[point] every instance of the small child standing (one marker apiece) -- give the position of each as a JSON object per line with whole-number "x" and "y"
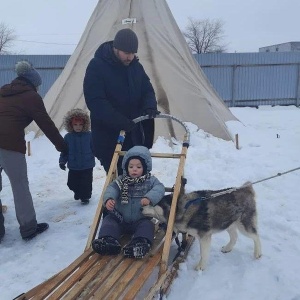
{"x": 80, "y": 158}
{"x": 123, "y": 199}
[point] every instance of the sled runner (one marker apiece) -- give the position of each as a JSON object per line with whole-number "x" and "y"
{"x": 92, "y": 276}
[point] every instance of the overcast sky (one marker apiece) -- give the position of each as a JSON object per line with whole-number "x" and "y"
{"x": 58, "y": 24}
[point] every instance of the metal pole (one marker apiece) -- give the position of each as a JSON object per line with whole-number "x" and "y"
{"x": 233, "y": 86}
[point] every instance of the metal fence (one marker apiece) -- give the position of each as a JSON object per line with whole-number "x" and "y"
{"x": 241, "y": 79}
{"x": 49, "y": 67}
{"x": 253, "y": 79}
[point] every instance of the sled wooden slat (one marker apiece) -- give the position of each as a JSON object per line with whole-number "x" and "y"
{"x": 100, "y": 277}
{"x": 103, "y": 275}
{"x": 125, "y": 281}
{"x": 42, "y": 290}
{"x": 147, "y": 271}
{"x": 160, "y": 155}
{"x": 114, "y": 278}
{"x": 133, "y": 269}
{"x": 73, "y": 279}
{"x": 81, "y": 285}
{"x": 178, "y": 182}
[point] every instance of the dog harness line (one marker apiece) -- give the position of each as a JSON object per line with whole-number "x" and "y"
{"x": 194, "y": 201}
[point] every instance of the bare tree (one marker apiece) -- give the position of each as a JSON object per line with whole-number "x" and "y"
{"x": 205, "y": 36}
{"x": 7, "y": 36}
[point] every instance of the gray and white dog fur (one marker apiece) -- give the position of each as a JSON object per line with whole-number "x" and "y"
{"x": 234, "y": 209}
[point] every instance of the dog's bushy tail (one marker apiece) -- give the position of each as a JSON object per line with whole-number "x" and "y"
{"x": 248, "y": 186}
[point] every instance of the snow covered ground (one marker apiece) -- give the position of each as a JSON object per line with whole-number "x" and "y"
{"x": 269, "y": 139}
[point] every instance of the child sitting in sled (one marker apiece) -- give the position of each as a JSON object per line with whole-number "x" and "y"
{"x": 124, "y": 198}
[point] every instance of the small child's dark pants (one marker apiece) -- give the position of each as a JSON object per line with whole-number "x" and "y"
{"x": 142, "y": 228}
{"x": 81, "y": 183}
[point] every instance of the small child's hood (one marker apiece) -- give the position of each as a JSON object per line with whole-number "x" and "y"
{"x": 78, "y": 113}
{"x": 140, "y": 151}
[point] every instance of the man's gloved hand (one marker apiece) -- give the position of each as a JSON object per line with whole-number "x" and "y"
{"x": 129, "y": 126}
{"x": 62, "y": 166}
{"x": 151, "y": 112}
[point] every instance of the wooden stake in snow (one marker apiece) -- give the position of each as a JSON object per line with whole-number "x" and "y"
{"x": 28, "y": 148}
{"x": 237, "y": 141}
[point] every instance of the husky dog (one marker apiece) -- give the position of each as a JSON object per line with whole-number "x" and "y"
{"x": 203, "y": 213}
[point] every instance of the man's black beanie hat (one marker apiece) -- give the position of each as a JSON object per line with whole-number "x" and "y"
{"x": 126, "y": 40}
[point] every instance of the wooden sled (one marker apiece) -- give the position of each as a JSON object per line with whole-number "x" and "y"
{"x": 92, "y": 276}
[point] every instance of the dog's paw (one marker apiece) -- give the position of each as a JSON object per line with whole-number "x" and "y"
{"x": 226, "y": 249}
{"x": 200, "y": 267}
{"x": 257, "y": 255}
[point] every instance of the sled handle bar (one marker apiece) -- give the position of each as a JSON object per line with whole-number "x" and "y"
{"x": 186, "y": 141}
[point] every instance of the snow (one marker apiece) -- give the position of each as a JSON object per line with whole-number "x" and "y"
{"x": 269, "y": 140}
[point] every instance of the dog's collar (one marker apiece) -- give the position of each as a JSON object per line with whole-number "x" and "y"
{"x": 194, "y": 201}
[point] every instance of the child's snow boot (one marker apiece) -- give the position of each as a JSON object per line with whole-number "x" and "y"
{"x": 85, "y": 201}
{"x": 137, "y": 248}
{"x": 106, "y": 245}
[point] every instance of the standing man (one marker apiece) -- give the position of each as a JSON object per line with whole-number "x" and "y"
{"x": 20, "y": 104}
{"x": 118, "y": 90}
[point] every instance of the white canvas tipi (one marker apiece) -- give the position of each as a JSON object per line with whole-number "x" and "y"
{"x": 181, "y": 88}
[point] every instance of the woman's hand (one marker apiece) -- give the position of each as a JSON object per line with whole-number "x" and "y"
{"x": 145, "y": 201}
{"x": 110, "y": 204}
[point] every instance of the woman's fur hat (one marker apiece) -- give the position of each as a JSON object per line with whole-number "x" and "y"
{"x": 78, "y": 114}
